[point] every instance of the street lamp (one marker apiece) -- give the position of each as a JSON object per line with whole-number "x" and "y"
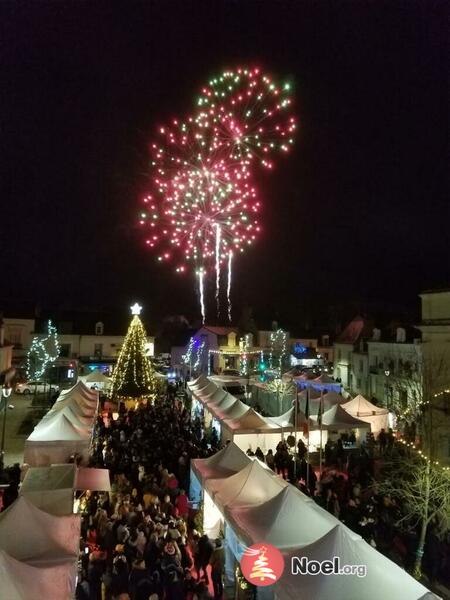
{"x": 6, "y": 393}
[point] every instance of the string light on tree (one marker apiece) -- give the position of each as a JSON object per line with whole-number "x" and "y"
{"x": 42, "y": 353}
{"x": 133, "y": 376}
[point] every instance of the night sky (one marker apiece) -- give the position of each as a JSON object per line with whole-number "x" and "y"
{"x": 358, "y": 211}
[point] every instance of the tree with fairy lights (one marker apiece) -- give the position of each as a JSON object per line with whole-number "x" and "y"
{"x": 421, "y": 487}
{"x": 133, "y": 375}
{"x": 42, "y": 353}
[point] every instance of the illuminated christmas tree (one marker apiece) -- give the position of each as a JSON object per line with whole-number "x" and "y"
{"x": 133, "y": 375}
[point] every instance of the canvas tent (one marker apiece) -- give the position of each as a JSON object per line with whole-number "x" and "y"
{"x": 96, "y": 378}
{"x": 289, "y": 519}
{"x": 224, "y": 463}
{"x": 55, "y": 440}
{"x": 362, "y": 409}
{"x": 36, "y": 537}
{"x": 252, "y": 485}
{"x": 21, "y": 581}
{"x": 79, "y": 389}
{"x": 336, "y": 418}
{"x": 53, "y": 488}
{"x": 383, "y": 579}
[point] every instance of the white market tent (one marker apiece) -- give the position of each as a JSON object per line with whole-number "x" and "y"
{"x": 336, "y": 418}
{"x": 97, "y": 378}
{"x": 289, "y": 519}
{"x": 79, "y": 389}
{"x": 224, "y": 463}
{"x": 36, "y": 537}
{"x": 53, "y": 488}
{"x": 55, "y": 440}
{"x": 289, "y": 425}
{"x": 214, "y": 398}
{"x": 235, "y": 411}
{"x": 252, "y": 485}
{"x": 79, "y": 404}
{"x": 252, "y": 430}
{"x": 362, "y": 409}
{"x": 200, "y": 382}
{"x": 72, "y": 413}
{"x": 254, "y": 505}
{"x": 383, "y": 579}
{"x": 21, "y": 581}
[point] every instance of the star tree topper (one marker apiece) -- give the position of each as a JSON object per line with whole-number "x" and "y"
{"x": 136, "y": 309}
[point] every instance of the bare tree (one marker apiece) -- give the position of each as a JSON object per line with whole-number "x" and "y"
{"x": 282, "y": 388}
{"x": 422, "y": 489}
{"x": 418, "y": 384}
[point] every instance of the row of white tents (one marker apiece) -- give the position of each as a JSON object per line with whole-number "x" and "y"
{"x": 40, "y": 531}
{"x": 236, "y": 421}
{"x": 65, "y": 430}
{"x": 250, "y": 504}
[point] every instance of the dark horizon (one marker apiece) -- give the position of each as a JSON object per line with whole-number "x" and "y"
{"x": 358, "y": 213}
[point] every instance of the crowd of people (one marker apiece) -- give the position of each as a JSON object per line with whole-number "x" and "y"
{"x": 139, "y": 541}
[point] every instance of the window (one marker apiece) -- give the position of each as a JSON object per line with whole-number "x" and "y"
{"x": 98, "y": 350}
{"x": 99, "y": 328}
{"x": 15, "y": 336}
{"x": 361, "y": 367}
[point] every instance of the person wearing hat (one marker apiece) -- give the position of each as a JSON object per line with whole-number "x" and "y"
{"x": 217, "y": 562}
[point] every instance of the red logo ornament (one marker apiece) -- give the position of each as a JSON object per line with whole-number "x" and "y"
{"x": 262, "y": 564}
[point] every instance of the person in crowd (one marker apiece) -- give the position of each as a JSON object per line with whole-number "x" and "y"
{"x": 217, "y": 562}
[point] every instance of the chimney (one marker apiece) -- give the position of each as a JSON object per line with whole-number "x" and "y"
{"x": 274, "y": 325}
{"x": 376, "y": 335}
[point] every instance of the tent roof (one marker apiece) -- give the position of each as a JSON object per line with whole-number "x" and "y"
{"x": 215, "y": 397}
{"x": 96, "y": 376}
{"x": 226, "y": 462}
{"x": 209, "y": 388}
{"x": 66, "y": 476}
{"x": 251, "y": 421}
{"x": 384, "y": 579}
{"x": 58, "y": 428}
{"x": 336, "y": 417}
{"x": 287, "y": 420}
{"x": 72, "y": 412}
{"x": 252, "y": 485}
{"x": 224, "y": 403}
{"x": 198, "y": 383}
{"x": 313, "y": 393}
{"x": 30, "y": 534}
{"x": 333, "y": 397}
{"x": 21, "y": 581}
{"x": 80, "y": 388}
{"x": 289, "y": 519}
{"x": 360, "y": 407}
{"x": 54, "y": 477}
{"x": 234, "y": 411}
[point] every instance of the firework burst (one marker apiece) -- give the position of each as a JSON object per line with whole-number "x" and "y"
{"x": 204, "y": 206}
